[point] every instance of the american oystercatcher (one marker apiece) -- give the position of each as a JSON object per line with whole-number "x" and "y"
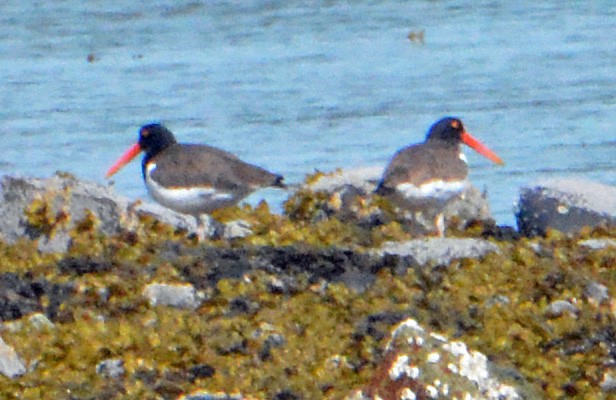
{"x": 193, "y": 179}
{"x": 427, "y": 175}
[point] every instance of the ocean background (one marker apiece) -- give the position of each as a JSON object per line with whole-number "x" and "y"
{"x": 296, "y": 86}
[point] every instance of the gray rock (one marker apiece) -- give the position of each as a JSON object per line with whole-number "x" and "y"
{"x": 163, "y": 214}
{"x": 438, "y": 251}
{"x": 559, "y": 307}
{"x": 180, "y": 221}
{"x": 429, "y": 365}
{"x": 565, "y": 204}
{"x": 363, "y": 180}
{"x": 348, "y": 185}
{"x": 172, "y": 295}
{"x": 498, "y": 299}
{"x": 211, "y": 396}
{"x": 111, "y": 368}
{"x": 540, "y": 249}
{"x": 472, "y": 205}
{"x": 58, "y": 243}
{"x": 11, "y": 365}
{"x": 597, "y": 244}
{"x": 40, "y": 321}
{"x": 596, "y": 293}
{"x": 609, "y": 383}
{"x": 65, "y": 193}
{"x": 237, "y": 229}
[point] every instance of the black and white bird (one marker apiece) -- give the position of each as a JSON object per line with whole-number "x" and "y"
{"x": 193, "y": 179}
{"x": 427, "y": 175}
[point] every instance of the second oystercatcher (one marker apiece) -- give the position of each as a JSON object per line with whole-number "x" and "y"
{"x": 427, "y": 175}
{"x": 193, "y": 179}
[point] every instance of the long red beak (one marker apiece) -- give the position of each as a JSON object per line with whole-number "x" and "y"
{"x": 125, "y": 159}
{"x": 480, "y": 148}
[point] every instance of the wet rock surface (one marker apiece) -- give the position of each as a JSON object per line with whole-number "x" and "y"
{"x": 354, "y": 269}
{"x": 357, "y": 270}
{"x": 21, "y": 296}
{"x": 565, "y": 204}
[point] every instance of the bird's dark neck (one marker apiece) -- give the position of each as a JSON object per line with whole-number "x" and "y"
{"x": 444, "y": 143}
{"x": 153, "y": 152}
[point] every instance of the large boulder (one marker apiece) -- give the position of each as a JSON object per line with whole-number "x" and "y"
{"x": 565, "y": 204}
{"x": 60, "y": 194}
{"x": 419, "y": 364}
{"x": 438, "y": 251}
{"x": 59, "y": 202}
{"x": 349, "y": 195}
{"x": 11, "y": 364}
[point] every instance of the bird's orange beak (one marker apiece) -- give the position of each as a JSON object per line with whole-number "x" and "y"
{"x": 480, "y": 148}
{"x": 125, "y": 159}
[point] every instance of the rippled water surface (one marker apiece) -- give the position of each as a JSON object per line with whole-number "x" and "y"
{"x": 297, "y": 86}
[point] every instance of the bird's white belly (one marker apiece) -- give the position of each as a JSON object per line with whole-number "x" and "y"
{"x": 437, "y": 190}
{"x": 193, "y": 201}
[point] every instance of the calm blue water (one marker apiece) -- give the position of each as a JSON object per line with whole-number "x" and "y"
{"x": 296, "y": 87}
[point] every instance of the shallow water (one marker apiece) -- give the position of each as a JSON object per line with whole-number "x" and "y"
{"x": 295, "y": 87}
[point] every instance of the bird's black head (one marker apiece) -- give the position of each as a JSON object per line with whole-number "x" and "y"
{"x": 448, "y": 129}
{"x": 154, "y": 138}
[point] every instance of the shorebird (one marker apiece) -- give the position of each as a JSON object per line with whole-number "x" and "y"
{"x": 426, "y": 176}
{"x": 193, "y": 179}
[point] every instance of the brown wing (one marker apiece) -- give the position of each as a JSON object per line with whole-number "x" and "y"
{"x": 422, "y": 163}
{"x": 209, "y": 166}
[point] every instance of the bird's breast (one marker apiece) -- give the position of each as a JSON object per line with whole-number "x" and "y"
{"x": 437, "y": 189}
{"x": 187, "y": 199}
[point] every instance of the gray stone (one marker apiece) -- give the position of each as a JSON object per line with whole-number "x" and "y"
{"x": 430, "y": 365}
{"x": 111, "y": 368}
{"x": 11, "y": 365}
{"x": 540, "y": 249}
{"x": 40, "y": 321}
{"x": 565, "y": 204}
{"x": 57, "y": 243}
{"x": 597, "y": 244}
{"x": 163, "y": 214}
{"x": 349, "y": 185}
{"x": 498, "y": 299}
{"x": 204, "y": 395}
{"x": 559, "y": 307}
{"x": 364, "y": 180}
{"x": 237, "y": 229}
{"x": 438, "y": 251}
{"x": 608, "y": 384}
{"x": 172, "y": 295}
{"x": 180, "y": 221}
{"x": 596, "y": 293}
{"x": 65, "y": 193}
{"x": 471, "y": 205}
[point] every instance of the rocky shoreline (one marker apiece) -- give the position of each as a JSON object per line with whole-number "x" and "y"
{"x": 337, "y": 298}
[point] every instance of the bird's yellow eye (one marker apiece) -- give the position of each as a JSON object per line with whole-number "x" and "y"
{"x": 455, "y": 124}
